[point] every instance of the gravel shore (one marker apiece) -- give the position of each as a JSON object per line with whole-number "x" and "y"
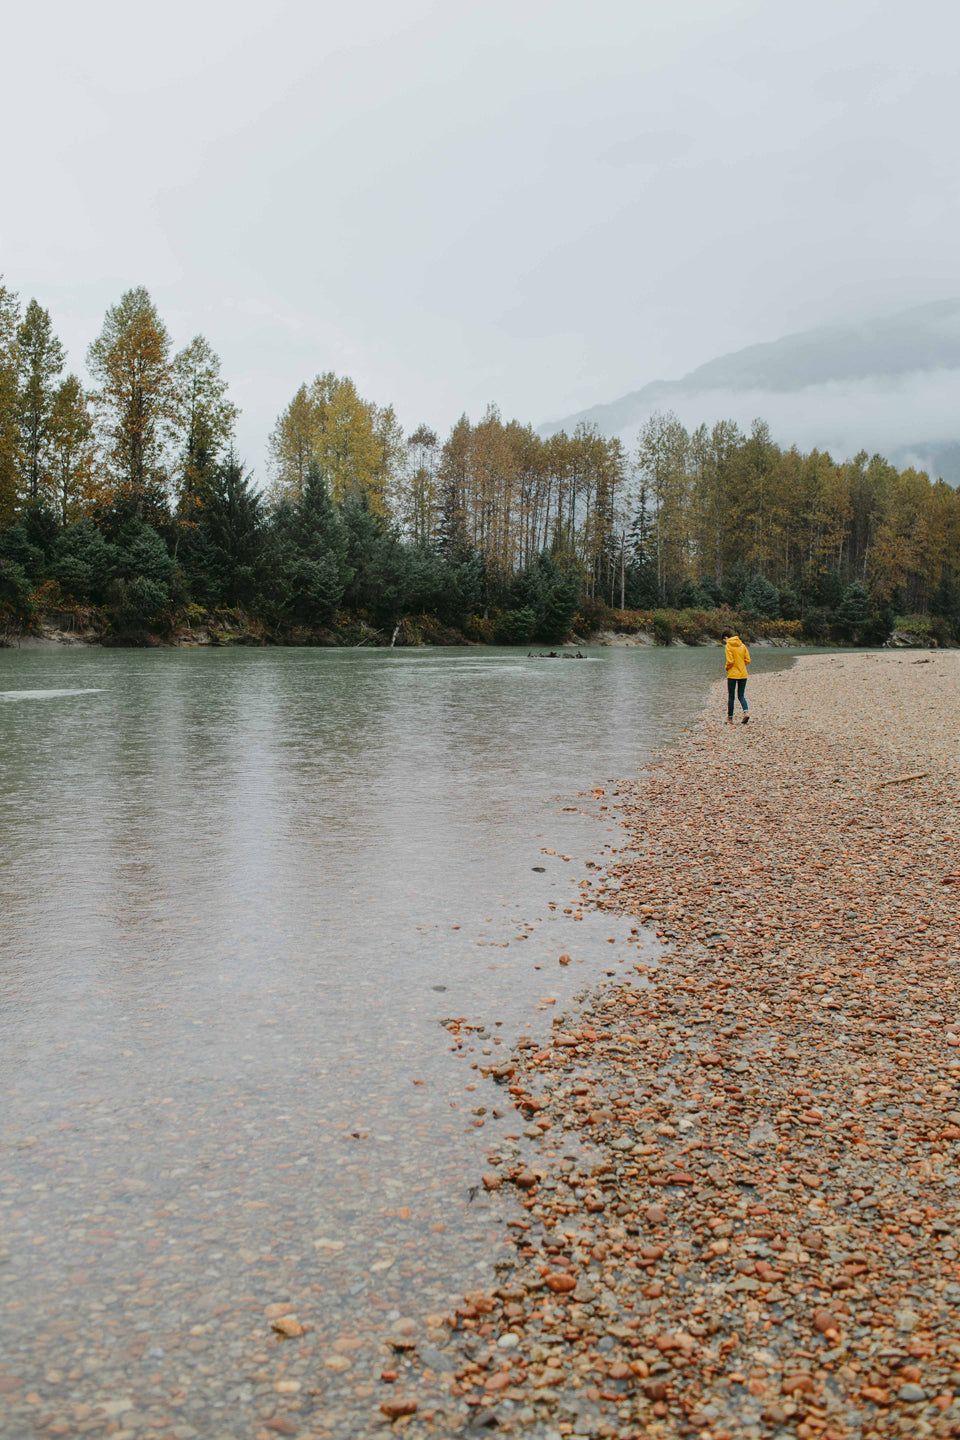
{"x": 729, "y": 1176}
{"x": 741, "y": 1216}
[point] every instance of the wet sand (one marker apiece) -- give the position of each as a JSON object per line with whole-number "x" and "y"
{"x": 762, "y": 1240}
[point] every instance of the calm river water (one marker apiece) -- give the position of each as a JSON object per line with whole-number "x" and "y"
{"x": 239, "y": 892}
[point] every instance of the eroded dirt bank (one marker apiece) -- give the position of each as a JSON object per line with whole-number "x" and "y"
{"x": 759, "y": 1236}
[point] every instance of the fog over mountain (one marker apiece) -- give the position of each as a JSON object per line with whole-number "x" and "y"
{"x": 889, "y": 385}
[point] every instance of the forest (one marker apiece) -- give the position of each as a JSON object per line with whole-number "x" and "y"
{"x": 125, "y": 507}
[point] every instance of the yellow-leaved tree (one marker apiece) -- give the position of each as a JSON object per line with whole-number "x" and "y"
{"x": 72, "y": 483}
{"x": 357, "y": 444}
{"x": 41, "y": 358}
{"x": 10, "y": 446}
{"x": 136, "y": 399}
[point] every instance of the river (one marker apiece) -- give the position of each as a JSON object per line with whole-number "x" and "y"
{"x": 243, "y": 893}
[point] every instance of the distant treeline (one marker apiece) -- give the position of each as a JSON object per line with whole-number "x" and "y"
{"x": 127, "y": 495}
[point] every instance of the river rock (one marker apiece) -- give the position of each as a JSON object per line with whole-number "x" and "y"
{"x": 395, "y": 1408}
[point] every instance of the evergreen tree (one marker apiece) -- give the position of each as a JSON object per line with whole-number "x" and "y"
{"x": 425, "y": 581}
{"x": 711, "y": 592}
{"x": 16, "y": 593}
{"x": 945, "y": 599}
{"x": 310, "y": 547}
{"x": 830, "y": 589}
{"x": 453, "y": 479}
{"x": 761, "y": 597}
{"x": 816, "y": 624}
{"x": 853, "y": 611}
{"x": 380, "y": 584}
{"x": 205, "y": 422}
{"x": 225, "y": 551}
{"x": 517, "y": 627}
{"x": 463, "y": 587}
{"x": 30, "y": 541}
{"x": 561, "y": 605}
{"x": 550, "y": 593}
{"x": 689, "y": 596}
{"x": 789, "y": 603}
{"x": 641, "y": 586}
{"x": 83, "y": 562}
{"x": 117, "y": 508}
{"x": 145, "y": 578}
{"x": 735, "y": 582}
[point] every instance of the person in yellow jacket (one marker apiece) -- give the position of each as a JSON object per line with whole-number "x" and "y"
{"x": 737, "y": 659}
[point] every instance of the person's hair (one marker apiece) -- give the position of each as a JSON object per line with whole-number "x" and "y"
{"x": 726, "y": 634}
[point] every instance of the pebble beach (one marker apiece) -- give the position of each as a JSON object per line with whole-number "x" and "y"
{"x": 741, "y": 1212}
{"x": 725, "y": 1190}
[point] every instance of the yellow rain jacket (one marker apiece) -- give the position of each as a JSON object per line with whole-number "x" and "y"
{"x": 737, "y": 658}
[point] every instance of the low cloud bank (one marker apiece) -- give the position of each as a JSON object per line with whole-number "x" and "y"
{"x": 912, "y": 418}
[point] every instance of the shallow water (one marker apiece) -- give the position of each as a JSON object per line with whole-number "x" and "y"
{"x": 239, "y": 892}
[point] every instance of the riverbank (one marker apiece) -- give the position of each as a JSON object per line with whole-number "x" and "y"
{"x": 741, "y": 1212}
{"x": 220, "y": 629}
{"x": 224, "y": 629}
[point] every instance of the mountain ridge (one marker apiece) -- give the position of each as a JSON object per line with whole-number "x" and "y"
{"x": 896, "y": 377}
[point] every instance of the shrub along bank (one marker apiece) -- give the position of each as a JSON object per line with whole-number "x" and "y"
{"x": 312, "y": 572}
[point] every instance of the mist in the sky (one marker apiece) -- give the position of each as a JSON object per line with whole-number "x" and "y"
{"x": 544, "y": 205}
{"x": 911, "y": 420}
{"x": 888, "y": 386}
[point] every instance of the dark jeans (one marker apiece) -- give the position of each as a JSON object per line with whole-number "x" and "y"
{"x": 736, "y": 688}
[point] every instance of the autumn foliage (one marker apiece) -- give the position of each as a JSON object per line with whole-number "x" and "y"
{"x": 129, "y": 496}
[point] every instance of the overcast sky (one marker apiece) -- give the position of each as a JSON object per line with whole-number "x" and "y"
{"x": 543, "y": 205}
